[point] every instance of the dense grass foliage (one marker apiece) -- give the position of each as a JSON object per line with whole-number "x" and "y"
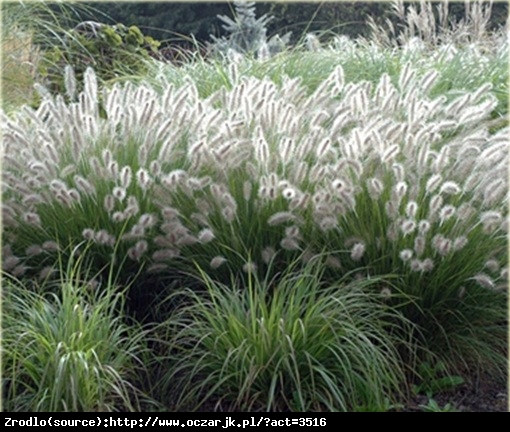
{"x": 322, "y": 221}
{"x": 71, "y": 349}
{"x": 291, "y": 344}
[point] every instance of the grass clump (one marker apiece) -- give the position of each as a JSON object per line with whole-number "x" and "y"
{"x": 386, "y": 180}
{"x": 291, "y": 344}
{"x": 395, "y": 162}
{"x": 70, "y": 349}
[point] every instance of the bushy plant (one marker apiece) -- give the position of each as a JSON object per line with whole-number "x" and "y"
{"x": 69, "y": 350}
{"x": 247, "y": 34}
{"x": 384, "y": 178}
{"x": 113, "y": 51}
{"x": 279, "y": 345}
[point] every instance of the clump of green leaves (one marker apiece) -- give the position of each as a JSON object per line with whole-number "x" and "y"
{"x": 435, "y": 378}
{"x": 433, "y": 406}
{"x": 112, "y": 51}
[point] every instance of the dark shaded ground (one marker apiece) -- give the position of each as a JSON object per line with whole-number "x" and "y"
{"x": 486, "y": 396}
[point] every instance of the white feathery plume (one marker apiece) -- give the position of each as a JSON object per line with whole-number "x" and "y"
{"x": 446, "y": 213}
{"x": 118, "y": 216}
{"x": 411, "y": 209}
{"x": 436, "y": 202}
{"x": 450, "y": 188}
{"x": 357, "y": 251}
{"x": 247, "y": 190}
{"x": 19, "y": 270}
{"x": 406, "y": 254}
{"x": 32, "y": 199}
{"x": 84, "y": 185}
{"x": 147, "y": 220}
{"x": 262, "y": 150}
{"x": 481, "y": 91}
{"x": 155, "y": 168}
{"x": 419, "y": 245}
{"x": 137, "y": 231}
{"x": 494, "y": 192}
{"x": 132, "y": 206}
{"x": 10, "y": 262}
{"x": 300, "y": 202}
{"x": 109, "y": 203}
{"x": 32, "y": 218}
{"x": 228, "y": 214}
{"x": 455, "y": 107}
{"x": 333, "y": 262}
{"x": 157, "y": 268}
{"x": 484, "y": 280}
{"x": 323, "y": 149}
{"x": 165, "y": 254}
{"x": 406, "y": 77}
{"x": 293, "y": 232}
{"x": 428, "y": 81}
{"x": 88, "y": 234}
{"x": 217, "y": 261}
{"x": 119, "y": 193}
{"x": 400, "y": 190}
{"x": 299, "y": 171}
{"x": 442, "y": 160}
{"x": 391, "y": 209}
{"x": 465, "y": 211}
{"x": 491, "y": 221}
{"x": 281, "y": 217}
{"x": 143, "y": 178}
{"x": 289, "y": 244}
{"x": 459, "y": 243}
{"x": 408, "y": 226}
{"x": 504, "y": 273}
{"x": 107, "y": 157}
{"x": 390, "y": 153}
{"x": 267, "y": 254}
{"x": 375, "y": 188}
{"x": 427, "y": 265}
{"x": 34, "y": 250}
{"x": 423, "y": 226}
{"x": 50, "y": 246}
{"x": 492, "y": 265}
{"x": 399, "y": 172}
{"x": 46, "y": 272}
{"x": 250, "y": 267}
{"x": 113, "y": 169}
{"x": 416, "y": 265}
{"x": 206, "y": 235}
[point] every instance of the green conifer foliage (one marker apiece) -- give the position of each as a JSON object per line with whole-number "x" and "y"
{"x": 248, "y": 34}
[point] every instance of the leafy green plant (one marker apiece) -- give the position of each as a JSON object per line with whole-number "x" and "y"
{"x": 285, "y": 344}
{"x": 70, "y": 349}
{"x": 433, "y": 406}
{"x": 435, "y": 378}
